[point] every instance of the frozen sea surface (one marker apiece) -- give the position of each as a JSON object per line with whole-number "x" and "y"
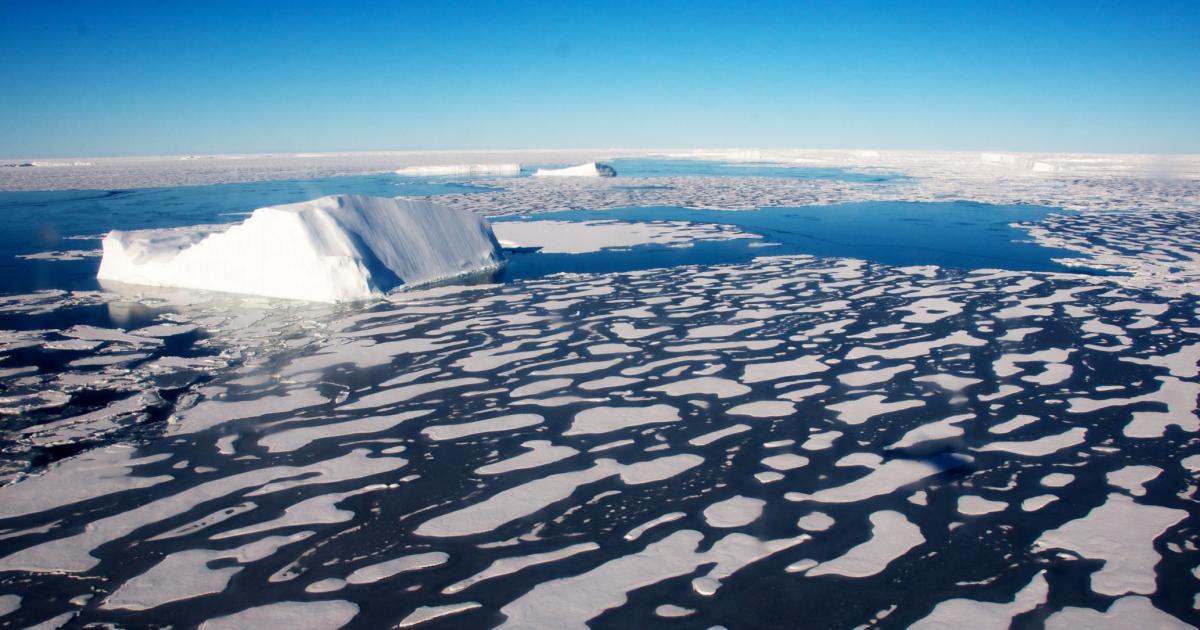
{"x": 834, "y": 440}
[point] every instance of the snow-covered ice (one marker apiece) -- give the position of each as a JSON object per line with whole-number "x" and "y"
{"x": 332, "y": 249}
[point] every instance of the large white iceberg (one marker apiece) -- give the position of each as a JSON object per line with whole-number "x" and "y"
{"x": 332, "y": 249}
{"x": 591, "y": 169}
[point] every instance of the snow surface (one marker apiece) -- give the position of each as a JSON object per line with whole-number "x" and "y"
{"x": 333, "y": 249}
{"x": 447, "y": 170}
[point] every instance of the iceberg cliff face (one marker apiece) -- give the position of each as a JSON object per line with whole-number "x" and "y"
{"x": 332, "y": 249}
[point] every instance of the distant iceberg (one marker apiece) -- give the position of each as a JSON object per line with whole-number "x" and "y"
{"x": 333, "y": 249}
{"x": 591, "y": 169}
{"x": 444, "y": 170}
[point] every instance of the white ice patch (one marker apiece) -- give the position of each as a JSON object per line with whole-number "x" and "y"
{"x": 384, "y": 570}
{"x": 429, "y": 613}
{"x": 568, "y": 603}
{"x": 318, "y": 615}
{"x": 859, "y": 410}
{"x": 1041, "y": 446}
{"x": 584, "y": 237}
{"x": 954, "y": 614}
{"x": 508, "y": 566}
{"x": 507, "y": 423}
{"x": 736, "y": 511}
{"x": 609, "y": 419}
{"x": 526, "y": 499}
{"x": 892, "y": 536}
{"x": 978, "y": 506}
{"x": 1121, "y": 533}
{"x": 1124, "y": 614}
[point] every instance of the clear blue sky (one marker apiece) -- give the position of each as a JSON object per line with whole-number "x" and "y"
{"x": 121, "y": 78}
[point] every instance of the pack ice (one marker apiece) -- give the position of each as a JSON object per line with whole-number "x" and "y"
{"x": 333, "y": 249}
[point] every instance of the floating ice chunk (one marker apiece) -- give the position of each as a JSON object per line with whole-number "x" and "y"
{"x": 1057, "y": 480}
{"x": 949, "y": 382}
{"x": 785, "y": 461}
{"x": 541, "y": 453}
{"x": 863, "y": 378}
{"x": 892, "y": 536}
{"x": 318, "y": 615}
{"x": 720, "y": 330}
{"x": 637, "y": 532}
{"x": 568, "y": 603}
{"x": 1033, "y": 504}
{"x": 512, "y": 422}
{"x": 384, "y": 570}
{"x": 92, "y": 474}
{"x": 916, "y": 348}
{"x": 760, "y": 372}
{"x": 292, "y": 439}
{"x": 713, "y": 436}
{"x": 508, "y": 566}
{"x": 671, "y": 611}
{"x": 328, "y": 585}
{"x": 1182, "y": 363}
{"x": 940, "y": 430}
{"x": 591, "y": 169}
{"x": 821, "y": 441}
{"x": 1121, "y": 533}
{"x": 953, "y": 614}
{"x": 764, "y": 409}
{"x": 1009, "y": 426}
{"x": 9, "y": 603}
{"x": 1041, "y": 446}
{"x": 815, "y": 522}
{"x": 318, "y": 510}
{"x": 582, "y": 237}
{"x": 859, "y": 410}
{"x": 734, "y": 512}
{"x": 429, "y": 613}
{"x": 210, "y": 413}
{"x": 460, "y": 170}
{"x": 1125, "y": 613}
{"x": 608, "y": 419}
{"x": 526, "y": 499}
{"x": 1134, "y": 478}
{"x": 72, "y": 554}
{"x": 978, "y": 506}
{"x": 332, "y": 249}
{"x": 1179, "y": 397}
{"x": 185, "y": 575}
{"x": 887, "y": 477}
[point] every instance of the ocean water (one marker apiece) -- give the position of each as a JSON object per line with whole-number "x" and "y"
{"x": 958, "y": 234}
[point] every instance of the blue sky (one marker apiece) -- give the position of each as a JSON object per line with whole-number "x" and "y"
{"x": 123, "y": 78}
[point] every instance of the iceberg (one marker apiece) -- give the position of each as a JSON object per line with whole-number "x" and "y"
{"x": 446, "y": 170}
{"x": 591, "y": 169}
{"x": 333, "y": 249}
